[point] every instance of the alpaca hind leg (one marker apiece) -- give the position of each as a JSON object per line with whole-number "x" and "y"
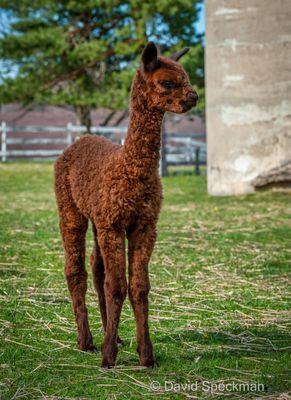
{"x": 73, "y": 228}
{"x": 98, "y": 272}
{"x": 97, "y": 267}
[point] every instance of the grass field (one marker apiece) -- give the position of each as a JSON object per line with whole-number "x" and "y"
{"x": 219, "y": 298}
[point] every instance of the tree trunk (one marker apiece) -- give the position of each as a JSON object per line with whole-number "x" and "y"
{"x": 108, "y": 118}
{"x": 84, "y": 116}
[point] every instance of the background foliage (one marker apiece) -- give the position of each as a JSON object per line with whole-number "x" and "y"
{"x": 84, "y": 54}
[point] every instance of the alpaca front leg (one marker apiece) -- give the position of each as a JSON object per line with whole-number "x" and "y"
{"x": 98, "y": 273}
{"x": 112, "y": 245}
{"x": 73, "y": 232}
{"x": 141, "y": 244}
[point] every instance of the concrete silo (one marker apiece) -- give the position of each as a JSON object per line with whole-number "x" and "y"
{"x": 248, "y": 82}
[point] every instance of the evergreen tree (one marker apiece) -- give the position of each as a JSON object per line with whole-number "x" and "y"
{"x": 84, "y": 53}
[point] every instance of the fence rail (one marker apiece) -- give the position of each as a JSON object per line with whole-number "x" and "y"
{"x": 69, "y": 130}
{"x": 180, "y": 148}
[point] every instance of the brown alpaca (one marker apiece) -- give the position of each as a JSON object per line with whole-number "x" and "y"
{"x": 118, "y": 189}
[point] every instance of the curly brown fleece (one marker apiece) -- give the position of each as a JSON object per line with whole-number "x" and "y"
{"x": 118, "y": 189}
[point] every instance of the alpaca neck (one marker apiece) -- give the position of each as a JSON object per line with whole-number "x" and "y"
{"x": 141, "y": 149}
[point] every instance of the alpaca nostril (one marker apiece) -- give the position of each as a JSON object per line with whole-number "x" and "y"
{"x": 193, "y": 96}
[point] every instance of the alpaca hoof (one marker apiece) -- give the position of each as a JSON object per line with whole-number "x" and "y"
{"x": 86, "y": 343}
{"x": 146, "y": 356}
{"x": 149, "y": 363}
{"x": 109, "y": 353}
{"x": 88, "y": 347}
{"x": 107, "y": 365}
{"x": 119, "y": 341}
{"x": 91, "y": 348}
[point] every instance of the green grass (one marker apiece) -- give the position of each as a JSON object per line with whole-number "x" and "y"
{"x": 219, "y": 298}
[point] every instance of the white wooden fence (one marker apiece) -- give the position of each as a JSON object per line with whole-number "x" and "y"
{"x": 180, "y": 148}
{"x": 184, "y": 149}
{"x": 66, "y": 141}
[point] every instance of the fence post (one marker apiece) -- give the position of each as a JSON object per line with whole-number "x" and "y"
{"x": 69, "y": 134}
{"x": 3, "y": 141}
{"x": 197, "y": 161}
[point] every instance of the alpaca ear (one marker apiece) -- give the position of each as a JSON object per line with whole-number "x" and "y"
{"x": 176, "y": 56}
{"x": 150, "y": 57}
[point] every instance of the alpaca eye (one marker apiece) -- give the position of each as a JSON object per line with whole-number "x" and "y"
{"x": 168, "y": 84}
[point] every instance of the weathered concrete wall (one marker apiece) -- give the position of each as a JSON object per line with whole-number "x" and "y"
{"x": 248, "y": 81}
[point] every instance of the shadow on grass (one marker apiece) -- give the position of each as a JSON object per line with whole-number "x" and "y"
{"x": 9, "y": 272}
{"x": 260, "y": 355}
{"x": 238, "y": 340}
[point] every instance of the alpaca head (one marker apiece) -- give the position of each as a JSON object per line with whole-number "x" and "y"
{"x": 165, "y": 84}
